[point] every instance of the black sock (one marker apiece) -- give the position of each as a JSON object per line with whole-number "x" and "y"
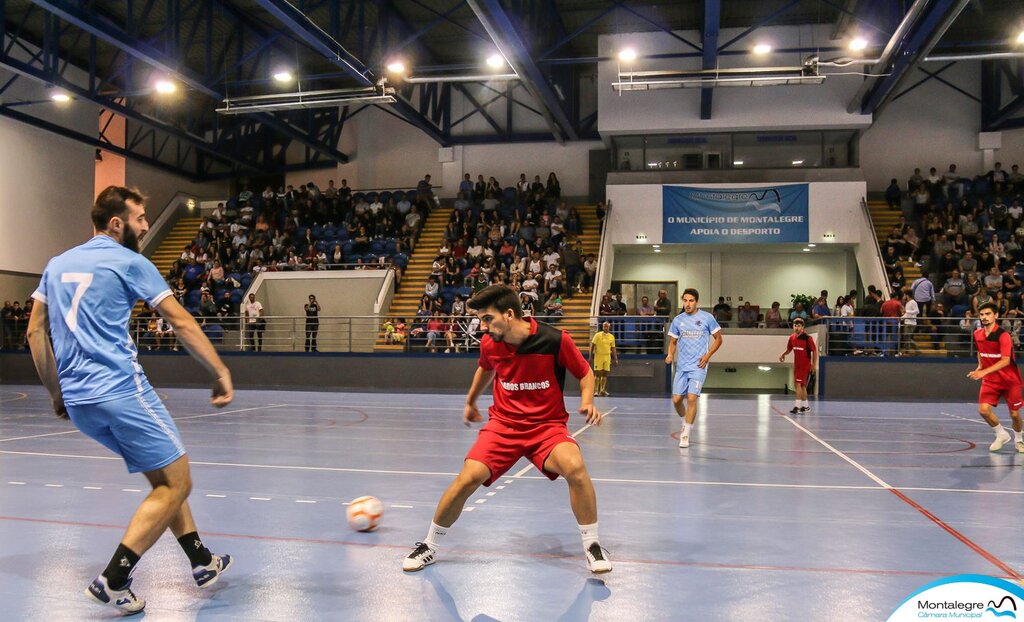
{"x": 120, "y": 567}
{"x": 198, "y": 554}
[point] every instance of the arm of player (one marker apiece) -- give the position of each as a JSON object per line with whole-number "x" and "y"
{"x": 587, "y": 408}
{"x": 615, "y": 355}
{"x": 42, "y": 356}
{"x": 191, "y": 335}
{"x": 782, "y": 359}
{"x": 482, "y": 378}
{"x": 672, "y": 343}
{"x": 716, "y": 343}
{"x": 980, "y": 373}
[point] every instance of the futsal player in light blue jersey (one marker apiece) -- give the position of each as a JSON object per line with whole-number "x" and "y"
{"x": 89, "y": 364}
{"x": 694, "y": 337}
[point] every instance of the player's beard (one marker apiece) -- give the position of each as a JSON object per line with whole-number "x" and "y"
{"x": 496, "y": 336}
{"x": 129, "y": 239}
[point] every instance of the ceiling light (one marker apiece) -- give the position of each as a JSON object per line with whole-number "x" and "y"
{"x": 811, "y": 245}
{"x": 807, "y": 250}
{"x": 858, "y": 44}
{"x": 283, "y": 76}
{"x": 165, "y": 87}
{"x": 764, "y": 368}
{"x": 657, "y": 246}
{"x": 1020, "y": 37}
{"x": 657, "y": 250}
{"x": 797, "y": 162}
{"x": 495, "y": 61}
{"x": 396, "y": 66}
{"x": 762, "y": 48}
{"x": 737, "y": 162}
{"x": 627, "y": 55}
{"x": 61, "y": 98}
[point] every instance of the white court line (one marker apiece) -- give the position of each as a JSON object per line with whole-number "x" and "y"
{"x": 212, "y": 496}
{"x": 479, "y": 501}
{"x": 54, "y": 485}
{"x": 491, "y": 494}
{"x": 92, "y": 488}
{"x": 468, "y": 509}
{"x": 499, "y": 488}
{"x": 259, "y": 498}
{"x": 407, "y": 507}
{"x": 304, "y": 501}
{"x": 966, "y": 419}
{"x": 848, "y": 459}
{"x": 224, "y": 412}
{"x": 130, "y": 490}
{"x": 526, "y": 469}
{"x": 16, "y": 483}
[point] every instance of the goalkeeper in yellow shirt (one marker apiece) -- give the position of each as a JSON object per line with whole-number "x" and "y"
{"x": 602, "y": 356}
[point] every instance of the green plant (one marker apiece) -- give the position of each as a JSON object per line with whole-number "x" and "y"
{"x": 805, "y": 300}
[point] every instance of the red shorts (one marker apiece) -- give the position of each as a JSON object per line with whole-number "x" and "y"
{"x": 500, "y": 445}
{"x": 991, "y": 394}
{"x": 801, "y": 374}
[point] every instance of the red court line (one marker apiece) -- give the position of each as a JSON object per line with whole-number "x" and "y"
{"x": 992, "y": 559}
{"x": 491, "y": 554}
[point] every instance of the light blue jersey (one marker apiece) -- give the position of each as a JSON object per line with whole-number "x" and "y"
{"x": 694, "y": 335}
{"x": 89, "y": 292}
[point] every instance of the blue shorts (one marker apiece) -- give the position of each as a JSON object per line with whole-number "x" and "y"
{"x": 136, "y": 427}
{"x": 688, "y": 381}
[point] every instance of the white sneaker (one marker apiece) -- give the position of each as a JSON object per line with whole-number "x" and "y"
{"x": 421, "y": 557}
{"x": 684, "y": 439}
{"x": 1020, "y": 446}
{"x": 1001, "y": 439}
{"x": 597, "y": 559}
{"x": 205, "y": 576}
{"x": 124, "y": 600}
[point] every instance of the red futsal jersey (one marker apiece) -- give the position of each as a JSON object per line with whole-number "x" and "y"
{"x": 802, "y": 346}
{"x": 993, "y": 347}
{"x": 529, "y": 378}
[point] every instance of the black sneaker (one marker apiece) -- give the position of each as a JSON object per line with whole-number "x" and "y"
{"x": 597, "y": 559}
{"x": 421, "y": 557}
{"x": 794, "y": 410}
{"x": 805, "y": 409}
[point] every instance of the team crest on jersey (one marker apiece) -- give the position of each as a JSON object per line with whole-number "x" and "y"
{"x": 698, "y": 323}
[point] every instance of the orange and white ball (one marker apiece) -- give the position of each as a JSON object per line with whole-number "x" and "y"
{"x": 364, "y": 513}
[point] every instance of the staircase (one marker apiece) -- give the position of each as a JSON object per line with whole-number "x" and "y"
{"x": 170, "y": 248}
{"x": 576, "y": 310}
{"x": 883, "y": 220}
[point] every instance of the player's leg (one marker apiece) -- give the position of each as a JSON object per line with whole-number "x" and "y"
{"x": 449, "y": 508}
{"x": 566, "y": 460}
{"x": 1015, "y": 403}
{"x": 206, "y": 567}
{"x": 986, "y": 402}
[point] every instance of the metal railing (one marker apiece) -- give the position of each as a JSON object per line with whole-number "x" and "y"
{"x": 928, "y": 336}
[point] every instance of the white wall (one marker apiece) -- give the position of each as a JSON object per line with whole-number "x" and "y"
{"x": 733, "y": 109}
{"x": 160, "y": 187}
{"x": 759, "y": 277}
{"x": 386, "y": 152}
{"x": 932, "y": 125}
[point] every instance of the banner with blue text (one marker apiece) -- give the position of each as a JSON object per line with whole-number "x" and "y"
{"x": 735, "y": 216}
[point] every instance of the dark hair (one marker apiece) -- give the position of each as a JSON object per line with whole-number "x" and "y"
{"x": 991, "y": 306}
{"x": 111, "y": 203}
{"x": 498, "y": 296}
{"x": 692, "y": 292}
{"x": 798, "y": 320}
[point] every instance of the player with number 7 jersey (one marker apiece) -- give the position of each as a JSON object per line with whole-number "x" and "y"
{"x": 85, "y": 356}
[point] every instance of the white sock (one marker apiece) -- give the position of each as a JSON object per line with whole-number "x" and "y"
{"x": 434, "y": 535}
{"x": 589, "y": 534}
{"x": 796, "y": 403}
{"x": 999, "y": 430}
{"x": 806, "y": 404}
{"x": 686, "y": 428}
{"x": 1018, "y": 436}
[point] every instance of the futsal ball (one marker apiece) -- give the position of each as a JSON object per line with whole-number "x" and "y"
{"x": 364, "y": 513}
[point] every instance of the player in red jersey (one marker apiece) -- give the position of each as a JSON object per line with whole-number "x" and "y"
{"x": 528, "y": 362}
{"x": 997, "y": 370}
{"x": 805, "y": 355}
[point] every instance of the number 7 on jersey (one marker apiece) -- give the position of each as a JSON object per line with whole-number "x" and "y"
{"x": 84, "y": 280}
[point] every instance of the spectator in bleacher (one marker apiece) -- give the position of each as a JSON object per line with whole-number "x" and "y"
{"x": 872, "y": 303}
{"x": 7, "y": 320}
{"x": 255, "y": 324}
{"x": 590, "y": 273}
{"x": 910, "y": 314}
{"x": 663, "y": 306}
{"x": 997, "y": 177}
{"x": 984, "y": 296}
{"x": 820, "y": 309}
{"x": 480, "y": 280}
{"x": 922, "y": 201}
{"x": 479, "y": 190}
{"x": 466, "y": 186}
{"x": 894, "y": 196}
{"x": 522, "y": 187}
{"x": 553, "y": 305}
{"x": 797, "y": 312}
{"x": 916, "y": 181}
{"x": 954, "y": 290}
{"x": 993, "y": 280}
{"x": 312, "y": 309}
{"x": 553, "y": 190}
{"x": 553, "y": 280}
{"x": 432, "y": 289}
{"x": 997, "y": 214}
{"x": 1015, "y": 180}
{"x": 722, "y": 312}
{"x": 773, "y": 317}
{"x": 892, "y": 308}
{"x": 531, "y": 286}
{"x": 424, "y": 189}
{"x": 645, "y": 309}
{"x": 435, "y": 329}
{"x": 207, "y": 306}
{"x": 923, "y": 292}
{"x": 608, "y": 307}
{"x": 747, "y": 315}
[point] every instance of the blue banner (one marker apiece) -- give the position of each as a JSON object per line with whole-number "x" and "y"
{"x": 735, "y": 216}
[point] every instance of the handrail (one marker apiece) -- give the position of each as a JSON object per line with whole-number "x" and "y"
{"x": 874, "y": 239}
{"x": 604, "y": 255}
{"x": 385, "y": 289}
{"x": 171, "y": 210}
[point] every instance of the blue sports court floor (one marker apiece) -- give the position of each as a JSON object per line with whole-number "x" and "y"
{"x": 836, "y": 515}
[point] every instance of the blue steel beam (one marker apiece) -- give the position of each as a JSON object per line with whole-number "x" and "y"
{"x": 106, "y": 30}
{"x": 995, "y": 115}
{"x": 712, "y": 14}
{"x": 325, "y": 44}
{"x": 511, "y": 45}
{"x": 918, "y": 45}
